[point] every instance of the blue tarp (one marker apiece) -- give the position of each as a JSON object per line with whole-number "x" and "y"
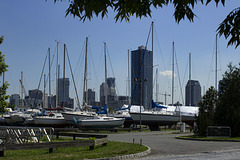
{"x": 154, "y": 105}
{"x": 100, "y": 110}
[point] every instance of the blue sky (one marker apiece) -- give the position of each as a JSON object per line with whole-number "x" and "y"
{"x": 31, "y": 27}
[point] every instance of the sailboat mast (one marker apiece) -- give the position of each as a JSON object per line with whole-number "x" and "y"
{"x": 49, "y": 58}
{"x": 190, "y": 85}
{"x": 105, "y": 57}
{"x": 64, "y": 60}
{"x": 128, "y": 80}
{"x": 85, "y": 89}
{"x": 22, "y": 87}
{"x": 216, "y": 66}
{"x": 57, "y": 76}
{"x": 156, "y": 84}
{"x": 173, "y": 74}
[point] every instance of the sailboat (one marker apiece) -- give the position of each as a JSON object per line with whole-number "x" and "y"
{"x": 102, "y": 120}
{"x": 71, "y": 116}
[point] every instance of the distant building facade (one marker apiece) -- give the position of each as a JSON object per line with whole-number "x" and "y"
{"x": 91, "y": 97}
{"x": 142, "y": 77}
{"x": 63, "y": 93}
{"x": 192, "y": 93}
{"x": 111, "y": 93}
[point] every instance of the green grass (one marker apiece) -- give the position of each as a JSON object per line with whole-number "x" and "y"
{"x": 75, "y": 153}
{"x": 211, "y": 138}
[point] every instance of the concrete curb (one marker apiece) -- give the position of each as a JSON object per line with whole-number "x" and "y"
{"x": 130, "y": 156}
{"x": 217, "y": 140}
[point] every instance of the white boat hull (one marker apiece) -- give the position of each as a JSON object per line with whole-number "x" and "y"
{"x": 108, "y": 122}
{"x": 69, "y": 116}
{"x": 150, "y": 118}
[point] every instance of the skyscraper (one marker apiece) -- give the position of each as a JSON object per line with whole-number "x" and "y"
{"x": 192, "y": 93}
{"x": 142, "y": 77}
{"x": 63, "y": 91}
{"x": 111, "y": 92}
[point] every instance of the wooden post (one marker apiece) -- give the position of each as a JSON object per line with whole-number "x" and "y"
{"x": 50, "y": 150}
{"x": 2, "y": 153}
{"x": 74, "y": 137}
{"x": 91, "y": 147}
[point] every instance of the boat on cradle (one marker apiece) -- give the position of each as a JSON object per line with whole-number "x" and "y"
{"x": 162, "y": 115}
{"x": 155, "y": 118}
{"x": 124, "y": 113}
{"x": 71, "y": 115}
{"x": 51, "y": 120}
{"x": 100, "y": 122}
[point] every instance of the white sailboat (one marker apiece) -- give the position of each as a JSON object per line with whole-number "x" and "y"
{"x": 80, "y": 114}
{"x": 101, "y": 121}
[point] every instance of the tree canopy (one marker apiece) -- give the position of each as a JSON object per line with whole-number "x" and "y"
{"x": 4, "y": 85}
{"x": 87, "y": 9}
{"x": 228, "y": 110}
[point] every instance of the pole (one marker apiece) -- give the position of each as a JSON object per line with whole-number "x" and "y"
{"x": 216, "y": 66}
{"x": 85, "y": 89}
{"x": 49, "y": 72}
{"x": 57, "y": 76}
{"x": 173, "y": 75}
{"x": 190, "y": 84}
{"x": 105, "y": 88}
{"x": 64, "y": 60}
{"x": 128, "y": 80}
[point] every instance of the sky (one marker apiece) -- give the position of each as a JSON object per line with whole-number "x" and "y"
{"x": 31, "y": 27}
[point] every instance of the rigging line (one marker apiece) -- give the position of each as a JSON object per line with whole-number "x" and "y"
{"x": 73, "y": 78}
{"x": 91, "y": 57}
{"x": 211, "y": 64}
{"x": 112, "y": 69}
{"x": 100, "y": 66}
{"x": 179, "y": 76}
{"x": 48, "y": 74}
{"x": 185, "y": 73}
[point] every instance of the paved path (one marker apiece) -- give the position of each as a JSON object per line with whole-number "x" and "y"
{"x": 165, "y": 146}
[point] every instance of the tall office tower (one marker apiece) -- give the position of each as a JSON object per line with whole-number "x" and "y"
{"x": 35, "y": 94}
{"x": 91, "y": 96}
{"x": 142, "y": 77}
{"x": 192, "y": 93}
{"x": 111, "y": 92}
{"x": 14, "y": 100}
{"x": 63, "y": 91}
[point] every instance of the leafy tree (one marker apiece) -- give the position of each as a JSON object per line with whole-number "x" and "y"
{"x": 228, "y": 110}
{"x": 206, "y": 111}
{"x": 86, "y": 9}
{"x": 4, "y": 85}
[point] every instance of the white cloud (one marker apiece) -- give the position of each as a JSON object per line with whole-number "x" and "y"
{"x": 167, "y": 73}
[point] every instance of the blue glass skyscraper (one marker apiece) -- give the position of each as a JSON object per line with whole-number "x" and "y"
{"x": 142, "y": 77}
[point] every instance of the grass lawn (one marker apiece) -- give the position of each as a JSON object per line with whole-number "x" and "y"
{"x": 75, "y": 153}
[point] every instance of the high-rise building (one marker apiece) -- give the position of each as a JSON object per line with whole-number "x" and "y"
{"x": 91, "y": 96}
{"x": 63, "y": 92}
{"x": 192, "y": 93}
{"x": 111, "y": 93}
{"x": 142, "y": 77}
{"x": 14, "y": 100}
{"x": 35, "y": 94}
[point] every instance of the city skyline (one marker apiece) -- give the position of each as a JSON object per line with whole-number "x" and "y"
{"x": 30, "y": 28}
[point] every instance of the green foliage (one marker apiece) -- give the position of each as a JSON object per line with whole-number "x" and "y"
{"x": 4, "y": 85}
{"x": 228, "y": 110}
{"x": 231, "y": 27}
{"x": 206, "y": 111}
